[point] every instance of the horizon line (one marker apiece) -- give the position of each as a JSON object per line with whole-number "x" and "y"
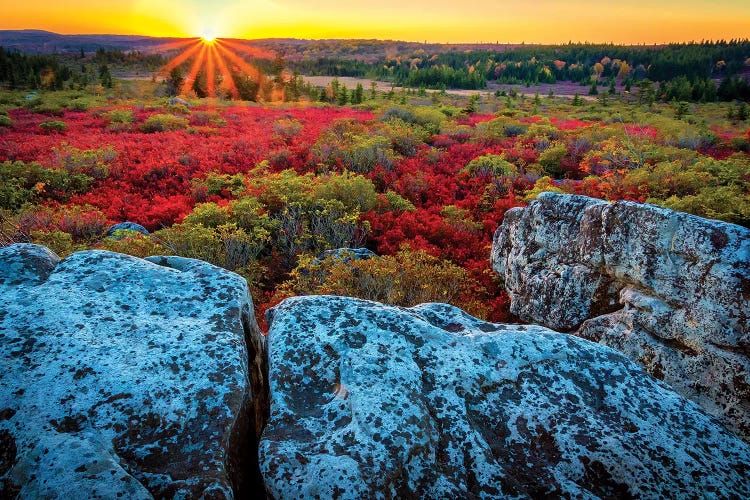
{"x": 421, "y": 42}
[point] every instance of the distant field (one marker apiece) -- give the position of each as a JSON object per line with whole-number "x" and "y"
{"x": 564, "y": 89}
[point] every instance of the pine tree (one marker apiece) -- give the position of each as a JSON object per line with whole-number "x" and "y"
{"x": 593, "y": 90}
{"x": 174, "y": 81}
{"x": 358, "y": 94}
{"x": 343, "y": 96}
{"x": 105, "y": 77}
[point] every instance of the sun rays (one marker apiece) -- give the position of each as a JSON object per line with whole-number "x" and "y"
{"x": 215, "y": 61}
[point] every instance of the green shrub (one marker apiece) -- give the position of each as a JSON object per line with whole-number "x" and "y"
{"x": 727, "y": 203}
{"x": 53, "y": 125}
{"x": 354, "y": 191}
{"x": 120, "y": 116}
{"x": 359, "y": 153}
{"x": 398, "y": 203}
{"x": 490, "y": 165}
{"x": 178, "y": 109}
{"x": 164, "y": 123}
{"x": 405, "y": 139}
{"x": 539, "y": 130}
{"x": 551, "y": 158}
{"x": 195, "y": 242}
{"x": 22, "y": 183}
{"x": 79, "y": 104}
{"x": 515, "y": 129}
{"x": 49, "y": 109}
{"x": 5, "y": 120}
{"x": 408, "y": 278}
{"x": 58, "y": 241}
{"x": 543, "y": 185}
{"x": 95, "y": 163}
{"x": 207, "y": 215}
{"x": 215, "y": 183}
{"x": 132, "y": 243}
{"x": 428, "y": 118}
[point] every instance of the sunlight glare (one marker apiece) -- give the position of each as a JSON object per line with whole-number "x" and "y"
{"x": 217, "y": 58}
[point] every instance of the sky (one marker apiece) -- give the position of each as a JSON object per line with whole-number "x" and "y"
{"x": 441, "y": 21}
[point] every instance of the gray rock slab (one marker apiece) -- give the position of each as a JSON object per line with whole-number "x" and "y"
{"x": 668, "y": 289}
{"x": 374, "y": 401}
{"x": 123, "y": 377}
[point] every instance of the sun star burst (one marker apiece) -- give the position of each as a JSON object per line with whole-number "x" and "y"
{"x": 216, "y": 57}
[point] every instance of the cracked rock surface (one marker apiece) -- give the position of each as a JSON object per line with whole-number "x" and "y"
{"x": 369, "y": 400}
{"x": 667, "y": 289}
{"x": 123, "y": 377}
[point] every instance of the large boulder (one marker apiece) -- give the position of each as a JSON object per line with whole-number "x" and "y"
{"x": 369, "y": 400}
{"x": 126, "y": 378}
{"x": 669, "y": 290}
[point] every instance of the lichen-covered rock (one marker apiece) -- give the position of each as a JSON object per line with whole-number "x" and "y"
{"x": 126, "y": 226}
{"x": 372, "y": 401}
{"x": 669, "y": 290}
{"x": 124, "y": 378}
{"x": 347, "y": 254}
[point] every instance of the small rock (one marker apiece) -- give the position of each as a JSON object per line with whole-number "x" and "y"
{"x": 126, "y": 226}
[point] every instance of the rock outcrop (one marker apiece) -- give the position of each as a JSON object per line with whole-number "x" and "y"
{"x": 667, "y": 289}
{"x": 126, "y": 378}
{"x": 428, "y": 402}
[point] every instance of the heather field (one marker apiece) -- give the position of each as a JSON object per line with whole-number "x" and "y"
{"x": 422, "y": 181}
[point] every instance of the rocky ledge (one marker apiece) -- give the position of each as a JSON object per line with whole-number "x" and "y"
{"x": 126, "y": 378}
{"x": 371, "y": 401}
{"x": 135, "y": 378}
{"x": 667, "y": 289}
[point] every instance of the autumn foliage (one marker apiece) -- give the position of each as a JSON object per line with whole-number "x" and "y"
{"x": 263, "y": 190}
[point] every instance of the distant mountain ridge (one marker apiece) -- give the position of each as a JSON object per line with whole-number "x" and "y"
{"x": 32, "y": 41}
{"x": 45, "y": 42}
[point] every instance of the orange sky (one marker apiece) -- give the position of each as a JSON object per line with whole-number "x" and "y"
{"x": 504, "y": 21}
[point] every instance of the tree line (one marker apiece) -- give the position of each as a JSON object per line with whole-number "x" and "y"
{"x": 697, "y": 63}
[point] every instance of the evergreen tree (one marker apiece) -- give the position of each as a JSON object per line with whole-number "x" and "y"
{"x": 358, "y": 94}
{"x": 174, "y": 81}
{"x": 681, "y": 109}
{"x": 199, "y": 85}
{"x": 343, "y": 95}
{"x": 742, "y": 112}
{"x": 105, "y": 77}
{"x": 593, "y": 89}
